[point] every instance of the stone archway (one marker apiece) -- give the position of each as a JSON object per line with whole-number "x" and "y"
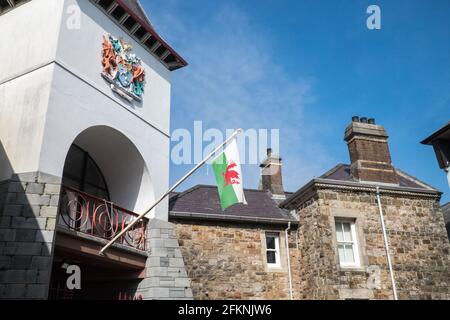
{"x": 105, "y": 183}
{"x": 126, "y": 174}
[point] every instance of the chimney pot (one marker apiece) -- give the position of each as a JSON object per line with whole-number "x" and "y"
{"x": 364, "y": 120}
{"x": 269, "y": 152}
{"x": 371, "y": 121}
{"x": 355, "y": 119}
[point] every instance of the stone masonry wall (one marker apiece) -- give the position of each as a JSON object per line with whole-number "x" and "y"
{"x": 419, "y": 247}
{"x": 226, "y": 261}
{"x": 28, "y": 210}
{"x": 166, "y": 276}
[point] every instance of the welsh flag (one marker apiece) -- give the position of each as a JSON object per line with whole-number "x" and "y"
{"x": 227, "y": 169}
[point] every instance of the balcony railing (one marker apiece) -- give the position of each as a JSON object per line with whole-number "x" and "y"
{"x": 97, "y": 217}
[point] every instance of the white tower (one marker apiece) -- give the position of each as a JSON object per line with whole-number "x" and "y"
{"x": 84, "y": 104}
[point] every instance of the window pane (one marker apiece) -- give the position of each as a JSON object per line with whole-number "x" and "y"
{"x": 93, "y": 176}
{"x": 74, "y": 163}
{"x": 95, "y": 191}
{"x": 347, "y": 232}
{"x": 271, "y": 257}
{"x": 270, "y": 241}
{"x": 349, "y": 254}
{"x": 71, "y": 183}
{"x": 339, "y": 234}
{"x": 341, "y": 254}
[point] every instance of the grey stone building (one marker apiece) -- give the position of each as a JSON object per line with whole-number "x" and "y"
{"x": 326, "y": 238}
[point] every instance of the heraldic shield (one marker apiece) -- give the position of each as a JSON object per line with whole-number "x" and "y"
{"x": 122, "y": 69}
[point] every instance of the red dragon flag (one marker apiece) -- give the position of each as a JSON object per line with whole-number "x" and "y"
{"x": 227, "y": 170}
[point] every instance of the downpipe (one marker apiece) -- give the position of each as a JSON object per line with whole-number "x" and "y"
{"x": 288, "y": 259}
{"x": 386, "y": 245}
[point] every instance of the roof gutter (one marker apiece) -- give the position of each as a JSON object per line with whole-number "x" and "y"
{"x": 230, "y": 218}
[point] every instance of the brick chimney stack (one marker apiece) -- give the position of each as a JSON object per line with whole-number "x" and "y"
{"x": 369, "y": 152}
{"x": 271, "y": 176}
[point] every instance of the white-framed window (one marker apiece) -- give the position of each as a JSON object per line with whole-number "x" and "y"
{"x": 347, "y": 244}
{"x": 273, "y": 250}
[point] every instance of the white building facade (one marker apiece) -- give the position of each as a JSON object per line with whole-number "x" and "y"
{"x": 81, "y": 153}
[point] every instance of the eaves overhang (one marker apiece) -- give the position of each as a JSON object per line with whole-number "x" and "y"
{"x": 230, "y": 218}
{"x": 443, "y": 134}
{"x": 307, "y": 191}
{"x": 141, "y": 31}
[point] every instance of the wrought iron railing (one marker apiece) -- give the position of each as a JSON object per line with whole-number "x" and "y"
{"x": 81, "y": 212}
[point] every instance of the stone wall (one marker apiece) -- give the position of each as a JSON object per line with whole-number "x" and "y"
{"x": 419, "y": 247}
{"x": 226, "y": 261}
{"x": 166, "y": 277}
{"x": 29, "y": 204}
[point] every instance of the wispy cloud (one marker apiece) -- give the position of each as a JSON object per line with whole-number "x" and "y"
{"x": 235, "y": 80}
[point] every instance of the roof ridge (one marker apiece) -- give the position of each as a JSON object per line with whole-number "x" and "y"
{"x": 198, "y": 186}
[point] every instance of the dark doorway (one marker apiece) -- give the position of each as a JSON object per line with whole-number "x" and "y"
{"x": 81, "y": 172}
{"x": 99, "y": 281}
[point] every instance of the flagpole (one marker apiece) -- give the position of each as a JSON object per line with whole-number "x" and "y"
{"x": 198, "y": 166}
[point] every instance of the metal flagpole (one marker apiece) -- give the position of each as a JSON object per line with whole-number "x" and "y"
{"x": 386, "y": 245}
{"x": 198, "y": 166}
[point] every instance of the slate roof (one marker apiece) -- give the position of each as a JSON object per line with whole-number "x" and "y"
{"x": 342, "y": 173}
{"x": 202, "y": 201}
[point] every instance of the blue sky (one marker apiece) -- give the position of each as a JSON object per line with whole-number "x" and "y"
{"x": 306, "y": 67}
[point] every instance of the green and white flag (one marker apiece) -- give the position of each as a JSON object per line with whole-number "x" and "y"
{"x": 227, "y": 169}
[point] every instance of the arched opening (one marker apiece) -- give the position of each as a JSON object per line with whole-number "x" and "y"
{"x": 81, "y": 172}
{"x": 124, "y": 170}
{"x": 105, "y": 182}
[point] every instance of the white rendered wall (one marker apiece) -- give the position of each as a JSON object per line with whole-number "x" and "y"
{"x": 80, "y": 50}
{"x": 126, "y": 173}
{"x": 62, "y": 95}
{"x": 81, "y": 99}
{"x": 23, "y": 110}
{"x": 75, "y": 106}
{"x": 28, "y": 35}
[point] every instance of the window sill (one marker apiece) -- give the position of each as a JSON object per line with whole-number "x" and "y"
{"x": 356, "y": 269}
{"x": 274, "y": 268}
